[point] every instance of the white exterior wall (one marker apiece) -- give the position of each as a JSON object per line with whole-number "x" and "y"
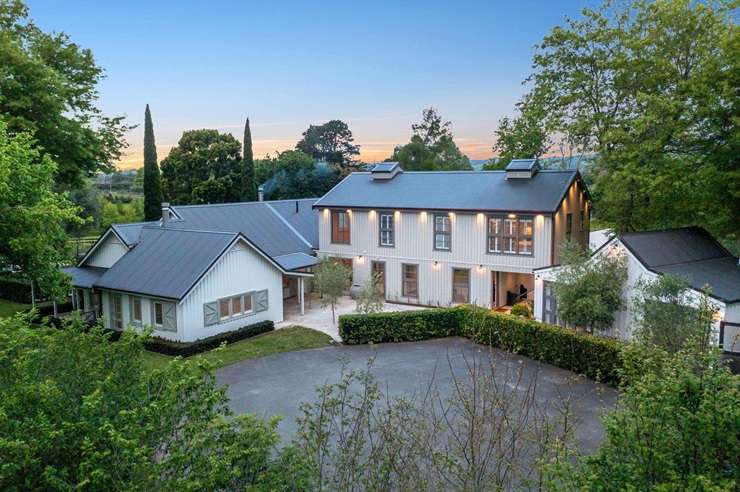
{"x": 625, "y": 320}
{"x": 146, "y": 315}
{"x": 414, "y": 235}
{"x": 107, "y": 253}
{"x": 732, "y": 313}
{"x": 239, "y": 270}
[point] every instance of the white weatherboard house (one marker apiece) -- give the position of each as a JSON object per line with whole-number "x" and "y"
{"x": 445, "y": 238}
{"x": 201, "y": 270}
{"x": 687, "y": 252}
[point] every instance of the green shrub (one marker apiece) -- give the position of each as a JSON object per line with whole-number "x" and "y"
{"x": 402, "y": 326}
{"x": 521, "y": 309}
{"x": 595, "y": 357}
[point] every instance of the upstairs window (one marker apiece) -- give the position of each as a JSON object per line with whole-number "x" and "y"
{"x": 442, "y": 233}
{"x": 511, "y": 235}
{"x": 386, "y": 229}
{"x": 340, "y": 228}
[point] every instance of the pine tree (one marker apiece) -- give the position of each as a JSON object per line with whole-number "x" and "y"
{"x": 152, "y": 186}
{"x": 249, "y": 186}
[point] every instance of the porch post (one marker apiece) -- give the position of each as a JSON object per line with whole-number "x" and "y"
{"x": 301, "y": 300}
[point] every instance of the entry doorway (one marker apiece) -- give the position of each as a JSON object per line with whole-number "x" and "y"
{"x": 377, "y": 269}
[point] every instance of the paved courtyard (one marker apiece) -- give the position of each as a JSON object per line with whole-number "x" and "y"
{"x": 276, "y": 385}
{"x": 319, "y": 317}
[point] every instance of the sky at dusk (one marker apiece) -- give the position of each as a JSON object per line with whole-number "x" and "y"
{"x": 286, "y": 65}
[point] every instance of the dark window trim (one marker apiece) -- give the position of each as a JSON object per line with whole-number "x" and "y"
{"x": 501, "y": 234}
{"x": 403, "y": 280}
{"x": 569, "y": 226}
{"x": 392, "y": 229}
{"x": 434, "y": 232}
{"x": 334, "y": 215}
{"x": 453, "y": 284}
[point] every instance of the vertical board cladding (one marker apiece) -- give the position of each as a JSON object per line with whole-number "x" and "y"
{"x": 107, "y": 253}
{"x": 574, "y": 202}
{"x": 239, "y": 270}
{"x": 414, "y": 244}
{"x": 732, "y": 313}
{"x": 146, "y": 315}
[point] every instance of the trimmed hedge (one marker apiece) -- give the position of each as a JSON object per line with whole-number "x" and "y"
{"x": 186, "y": 349}
{"x": 595, "y": 357}
{"x": 403, "y": 326}
{"x": 15, "y": 290}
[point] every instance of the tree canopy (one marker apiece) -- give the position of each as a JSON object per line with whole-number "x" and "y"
{"x": 205, "y": 167}
{"x": 294, "y": 174}
{"x": 48, "y": 88}
{"x": 431, "y": 147}
{"x": 650, "y": 88}
{"x": 331, "y": 142}
{"x": 33, "y": 215}
{"x": 80, "y": 411}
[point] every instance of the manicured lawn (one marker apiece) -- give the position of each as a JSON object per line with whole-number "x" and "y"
{"x": 9, "y": 308}
{"x": 274, "y": 342}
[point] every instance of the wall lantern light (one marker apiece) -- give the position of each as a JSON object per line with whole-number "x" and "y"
{"x": 512, "y": 216}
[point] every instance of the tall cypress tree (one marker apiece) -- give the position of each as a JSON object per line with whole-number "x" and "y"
{"x": 152, "y": 186}
{"x": 249, "y": 186}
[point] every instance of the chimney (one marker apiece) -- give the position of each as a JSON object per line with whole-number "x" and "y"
{"x": 165, "y": 213}
{"x": 261, "y": 193}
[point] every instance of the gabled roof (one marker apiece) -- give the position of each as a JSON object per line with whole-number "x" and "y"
{"x": 84, "y": 277}
{"x": 301, "y": 216}
{"x": 129, "y": 233}
{"x": 273, "y": 233}
{"x": 691, "y": 253}
{"x": 166, "y": 262}
{"x": 453, "y": 191}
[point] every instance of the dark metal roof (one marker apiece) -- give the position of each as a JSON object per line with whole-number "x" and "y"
{"x": 668, "y": 247}
{"x": 692, "y": 253}
{"x": 84, "y": 277}
{"x": 258, "y": 222}
{"x": 522, "y": 165}
{"x": 295, "y": 261}
{"x": 166, "y": 262}
{"x": 130, "y": 232}
{"x": 305, "y": 220}
{"x": 452, "y": 190}
{"x": 722, "y": 275}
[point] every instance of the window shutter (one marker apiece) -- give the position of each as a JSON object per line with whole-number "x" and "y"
{"x": 210, "y": 313}
{"x": 260, "y": 301}
{"x": 169, "y": 315}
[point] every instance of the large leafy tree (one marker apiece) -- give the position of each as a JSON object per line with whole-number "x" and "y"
{"x": 431, "y": 147}
{"x": 82, "y": 412}
{"x": 48, "y": 88}
{"x": 294, "y": 174}
{"x": 331, "y": 142}
{"x": 152, "y": 184}
{"x": 249, "y": 185}
{"x": 524, "y": 136}
{"x": 203, "y": 156}
{"x": 651, "y": 88}
{"x": 32, "y": 215}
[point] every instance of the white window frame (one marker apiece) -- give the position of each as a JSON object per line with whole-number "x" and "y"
{"x": 154, "y": 314}
{"x": 242, "y": 303}
{"x": 116, "y": 314}
{"x": 386, "y": 231}
{"x": 444, "y": 232}
{"x": 134, "y": 319}
{"x": 508, "y": 235}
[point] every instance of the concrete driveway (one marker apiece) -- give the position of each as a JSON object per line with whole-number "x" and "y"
{"x": 276, "y": 385}
{"x": 319, "y": 317}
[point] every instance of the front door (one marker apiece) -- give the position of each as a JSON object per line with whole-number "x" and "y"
{"x": 378, "y": 272}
